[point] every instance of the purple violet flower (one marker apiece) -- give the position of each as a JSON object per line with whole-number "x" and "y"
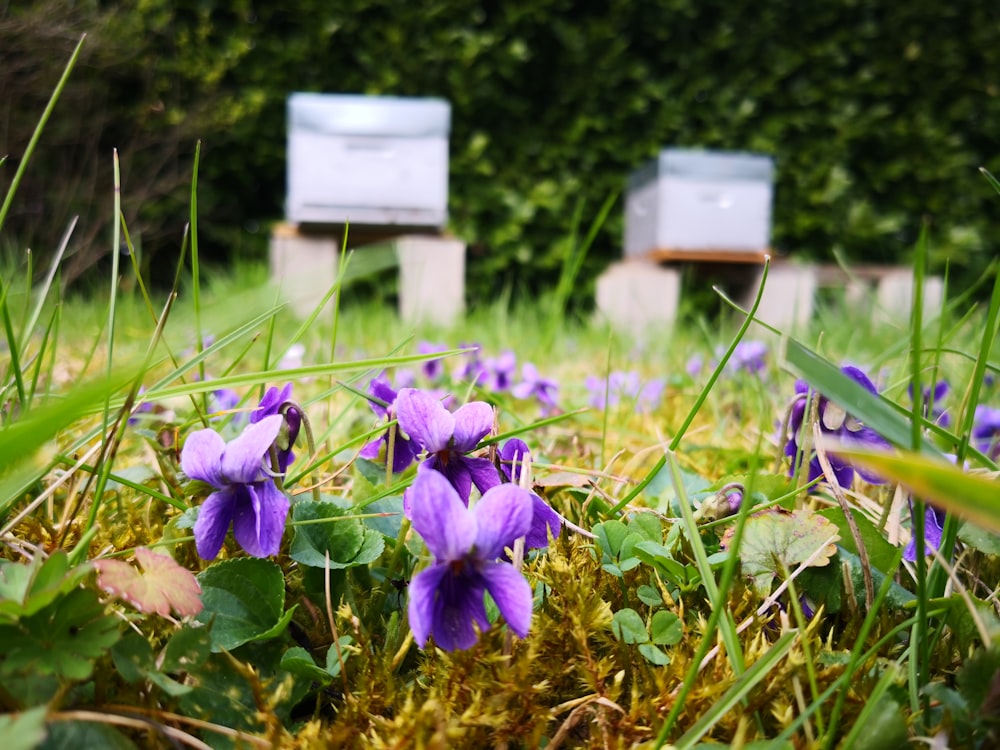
{"x": 471, "y": 368}
{"x": 245, "y": 496}
{"x": 404, "y": 451}
{"x": 272, "y": 403}
{"x": 600, "y": 391}
{"x": 433, "y": 369}
{"x": 694, "y": 365}
{"x": 933, "y": 531}
{"x": 986, "y": 431}
{"x": 544, "y": 519}
{"x": 448, "y": 437}
{"x": 501, "y": 371}
{"x": 650, "y": 396}
{"x": 748, "y": 356}
{"x": 835, "y": 422}
{"x": 446, "y": 598}
{"x": 535, "y": 386}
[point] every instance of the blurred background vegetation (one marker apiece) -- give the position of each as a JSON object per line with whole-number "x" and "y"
{"x": 878, "y": 114}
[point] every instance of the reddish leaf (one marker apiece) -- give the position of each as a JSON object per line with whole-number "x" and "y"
{"x": 161, "y": 586}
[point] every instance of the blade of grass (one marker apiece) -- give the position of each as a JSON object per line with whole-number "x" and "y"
{"x": 856, "y": 657}
{"x": 15, "y": 357}
{"x": 104, "y": 461}
{"x": 47, "y": 284}
{"x": 37, "y": 134}
{"x": 196, "y": 271}
{"x": 975, "y": 497}
{"x": 920, "y": 633}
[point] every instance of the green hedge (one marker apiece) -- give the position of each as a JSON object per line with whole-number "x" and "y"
{"x": 878, "y": 113}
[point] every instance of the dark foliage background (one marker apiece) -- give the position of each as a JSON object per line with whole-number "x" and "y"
{"x": 878, "y": 114}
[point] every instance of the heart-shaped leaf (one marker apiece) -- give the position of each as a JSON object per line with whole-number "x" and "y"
{"x": 245, "y": 600}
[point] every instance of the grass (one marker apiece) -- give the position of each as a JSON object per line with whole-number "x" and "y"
{"x": 663, "y": 615}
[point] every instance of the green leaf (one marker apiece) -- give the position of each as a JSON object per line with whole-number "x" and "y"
{"x": 628, "y": 626}
{"x": 667, "y": 628}
{"x": 333, "y": 663}
{"x": 244, "y": 600}
{"x": 299, "y": 662}
{"x": 979, "y": 538}
{"x": 186, "y": 649}
{"x": 390, "y": 525}
{"x": 133, "y": 657}
{"x": 774, "y": 540}
{"x": 971, "y": 496}
{"x": 897, "y": 597}
{"x": 610, "y": 535}
{"x": 24, "y": 730}
{"x": 647, "y": 526}
{"x": 27, "y": 588}
{"x": 881, "y": 554}
{"x": 63, "y": 639}
{"x": 66, "y": 734}
{"x": 347, "y": 540}
{"x": 649, "y": 595}
{"x": 653, "y": 654}
{"x": 883, "y": 729}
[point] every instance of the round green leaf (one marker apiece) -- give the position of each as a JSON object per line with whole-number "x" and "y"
{"x": 667, "y": 628}
{"x": 654, "y": 655}
{"x": 628, "y": 626}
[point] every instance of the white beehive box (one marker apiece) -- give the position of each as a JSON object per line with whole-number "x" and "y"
{"x": 686, "y": 203}
{"x": 368, "y": 160}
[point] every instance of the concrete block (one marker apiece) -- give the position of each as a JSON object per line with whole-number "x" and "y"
{"x": 634, "y": 295}
{"x": 304, "y": 266}
{"x": 895, "y": 296}
{"x": 431, "y": 279}
{"x": 431, "y": 272}
{"x": 788, "y": 296}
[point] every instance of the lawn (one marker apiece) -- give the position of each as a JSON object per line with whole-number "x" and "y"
{"x": 215, "y": 531}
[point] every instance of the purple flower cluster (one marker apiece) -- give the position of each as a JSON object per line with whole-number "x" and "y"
{"x": 466, "y": 539}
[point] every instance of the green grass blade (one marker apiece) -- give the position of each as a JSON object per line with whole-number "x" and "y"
{"x": 35, "y": 136}
{"x": 975, "y": 497}
{"x": 15, "y": 357}
{"x": 20, "y": 441}
{"x": 196, "y": 269}
{"x": 47, "y": 285}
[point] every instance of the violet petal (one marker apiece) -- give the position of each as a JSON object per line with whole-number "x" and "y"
{"x": 512, "y": 595}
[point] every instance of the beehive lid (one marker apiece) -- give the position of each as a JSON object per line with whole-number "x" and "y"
{"x": 360, "y": 115}
{"x": 705, "y": 165}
